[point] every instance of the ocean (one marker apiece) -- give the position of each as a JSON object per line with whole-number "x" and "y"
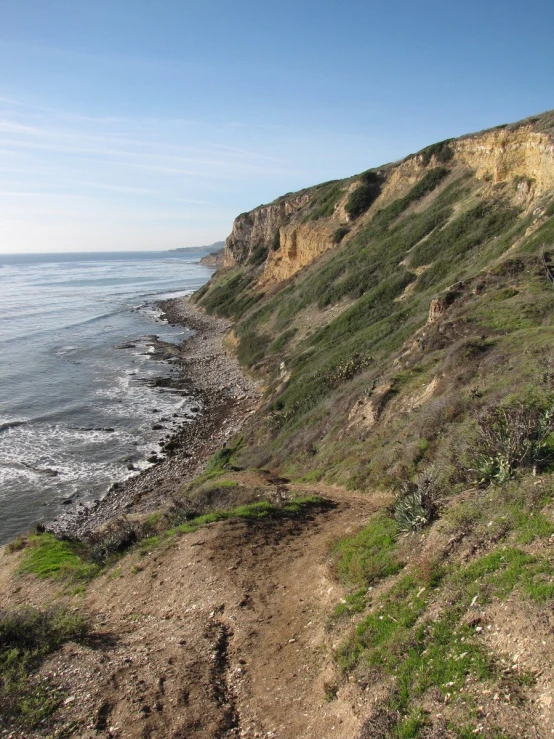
{"x": 76, "y": 342}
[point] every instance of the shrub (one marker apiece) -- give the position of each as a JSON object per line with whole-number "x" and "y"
{"x": 282, "y": 340}
{"x": 16, "y": 545}
{"x": 252, "y": 348}
{"x": 327, "y": 196}
{"x": 27, "y": 635}
{"x": 468, "y": 230}
{"x": 512, "y": 436}
{"x": 442, "y": 151}
{"x": 363, "y": 196}
{"x": 229, "y": 296}
{"x": 220, "y": 459}
{"x": 258, "y": 255}
{"x": 114, "y": 539}
{"x": 415, "y": 505}
{"x": 339, "y": 234}
{"x": 39, "y": 632}
{"x": 429, "y": 182}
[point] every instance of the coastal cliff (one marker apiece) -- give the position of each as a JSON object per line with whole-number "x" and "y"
{"x": 354, "y": 537}
{"x": 295, "y": 230}
{"x": 215, "y": 259}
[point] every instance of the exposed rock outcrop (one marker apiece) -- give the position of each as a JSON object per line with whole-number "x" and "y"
{"x": 287, "y": 235}
{"x": 366, "y": 411}
{"x": 502, "y": 154}
{"x": 300, "y": 244}
{"x": 437, "y": 309}
{"x": 259, "y": 227}
{"x": 215, "y": 259}
{"x": 442, "y": 303}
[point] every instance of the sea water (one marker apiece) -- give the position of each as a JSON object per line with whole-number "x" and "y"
{"x": 76, "y": 346}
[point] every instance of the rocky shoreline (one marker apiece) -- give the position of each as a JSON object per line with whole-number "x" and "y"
{"x": 223, "y": 397}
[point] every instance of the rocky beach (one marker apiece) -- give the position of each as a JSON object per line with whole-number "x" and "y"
{"x": 224, "y": 397}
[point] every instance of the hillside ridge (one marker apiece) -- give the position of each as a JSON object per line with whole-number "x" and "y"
{"x": 368, "y": 550}
{"x": 497, "y": 156}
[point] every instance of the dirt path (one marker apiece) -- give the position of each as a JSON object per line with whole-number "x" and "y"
{"x": 220, "y": 635}
{"x": 290, "y": 592}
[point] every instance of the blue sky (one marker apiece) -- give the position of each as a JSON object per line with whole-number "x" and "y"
{"x": 135, "y": 124}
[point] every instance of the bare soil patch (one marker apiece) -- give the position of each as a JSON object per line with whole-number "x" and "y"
{"x": 221, "y": 634}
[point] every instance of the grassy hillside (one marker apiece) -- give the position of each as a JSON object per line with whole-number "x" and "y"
{"x": 356, "y": 320}
{"x": 416, "y": 355}
{"x": 372, "y": 555}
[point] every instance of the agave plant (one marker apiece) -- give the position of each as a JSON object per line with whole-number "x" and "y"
{"x": 415, "y": 505}
{"x": 510, "y": 437}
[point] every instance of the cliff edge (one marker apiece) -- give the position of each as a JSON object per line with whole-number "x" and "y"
{"x": 368, "y": 551}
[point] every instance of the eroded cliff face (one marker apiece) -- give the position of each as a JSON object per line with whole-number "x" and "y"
{"x": 291, "y": 238}
{"x": 258, "y": 227}
{"x": 502, "y": 155}
{"x": 299, "y": 245}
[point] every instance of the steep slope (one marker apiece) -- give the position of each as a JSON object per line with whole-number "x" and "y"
{"x": 402, "y": 322}
{"x": 371, "y": 555}
{"x": 435, "y": 257}
{"x": 299, "y": 227}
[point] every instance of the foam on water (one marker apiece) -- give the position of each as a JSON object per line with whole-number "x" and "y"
{"x": 76, "y": 406}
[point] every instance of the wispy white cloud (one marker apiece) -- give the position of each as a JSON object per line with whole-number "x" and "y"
{"x": 139, "y": 191}
{"x": 13, "y": 127}
{"x": 245, "y": 152}
{"x": 34, "y": 194}
{"x": 60, "y": 170}
{"x": 111, "y": 60}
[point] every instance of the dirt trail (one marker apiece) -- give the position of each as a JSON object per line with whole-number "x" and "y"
{"x": 287, "y": 595}
{"x": 220, "y": 635}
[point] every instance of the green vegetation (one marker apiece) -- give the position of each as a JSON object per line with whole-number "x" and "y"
{"x": 250, "y": 512}
{"x": 415, "y": 505}
{"x": 72, "y": 561}
{"x": 220, "y": 459}
{"x": 282, "y": 340}
{"x": 418, "y": 629}
{"x": 323, "y": 203}
{"x": 466, "y": 232}
{"x": 48, "y": 557}
{"x": 27, "y": 636}
{"x": 231, "y": 297}
{"x": 340, "y": 233}
{"x": 441, "y": 151}
{"x": 252, "y": 348}
{"x": 364, "y": 195}
{"x": 497, "y": 574}
{"x": 258, "y": 255}
{"x": 396, "y": 637}
{"x": 427, "y": 184}
{"x": 514, "y": 435}
{"x": 369, "y": 556}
